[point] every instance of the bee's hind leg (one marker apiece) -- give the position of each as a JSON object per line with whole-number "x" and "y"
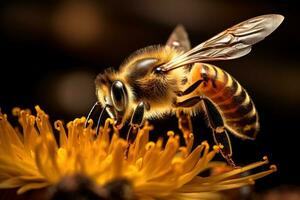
{"x": 215, "y": 119}
{"x": 215, "y": 122}
{"x": 220, "y": 134}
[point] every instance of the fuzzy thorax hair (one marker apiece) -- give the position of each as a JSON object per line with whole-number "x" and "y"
{"x": 156, "y": 90}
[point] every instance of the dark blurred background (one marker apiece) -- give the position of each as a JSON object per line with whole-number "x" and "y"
{"x": 52, "y": 51}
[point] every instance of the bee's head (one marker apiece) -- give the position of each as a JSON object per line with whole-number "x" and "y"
{"x": 113, "y": 96}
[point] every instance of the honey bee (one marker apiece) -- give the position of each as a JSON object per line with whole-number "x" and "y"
{"x": 159, "y": 80}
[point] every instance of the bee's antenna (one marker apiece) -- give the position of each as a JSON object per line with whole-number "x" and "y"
{"x": 99, "y": 119}
{"x": 90, "y": 113}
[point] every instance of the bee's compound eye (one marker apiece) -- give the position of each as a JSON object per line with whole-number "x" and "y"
{"x": 119, "y": 95}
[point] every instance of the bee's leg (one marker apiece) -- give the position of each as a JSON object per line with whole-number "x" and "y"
{"x": 220, "y": 134}
{"x": 184, "y": 122}
{"x": 185, "y": 126}
{"x": 136, "y": 122}
{"x": 188, "y": 102}
{"x": 190, "y": 89}
{"x": 216, "y": 123}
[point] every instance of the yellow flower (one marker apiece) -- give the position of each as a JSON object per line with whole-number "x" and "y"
{"x": 32, "y": 159}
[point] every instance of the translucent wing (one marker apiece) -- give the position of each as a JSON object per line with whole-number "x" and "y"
{"x": 232, "y": 43}
{"x": 179, "y": 39}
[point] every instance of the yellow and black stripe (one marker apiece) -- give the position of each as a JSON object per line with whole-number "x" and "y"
{"x": 232, "y": 101}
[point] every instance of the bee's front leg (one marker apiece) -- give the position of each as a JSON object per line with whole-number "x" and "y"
{"x": 136, "y": 121}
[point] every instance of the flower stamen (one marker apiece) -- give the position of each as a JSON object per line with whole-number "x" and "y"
{"x": 33, "y": 159}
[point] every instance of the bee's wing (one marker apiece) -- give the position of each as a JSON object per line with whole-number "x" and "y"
{"x": 232, "y": 43}
{"x": 179, "y": 39}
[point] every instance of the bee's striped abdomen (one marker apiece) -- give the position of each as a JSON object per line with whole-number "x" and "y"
{"x": 231, "y": 99}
